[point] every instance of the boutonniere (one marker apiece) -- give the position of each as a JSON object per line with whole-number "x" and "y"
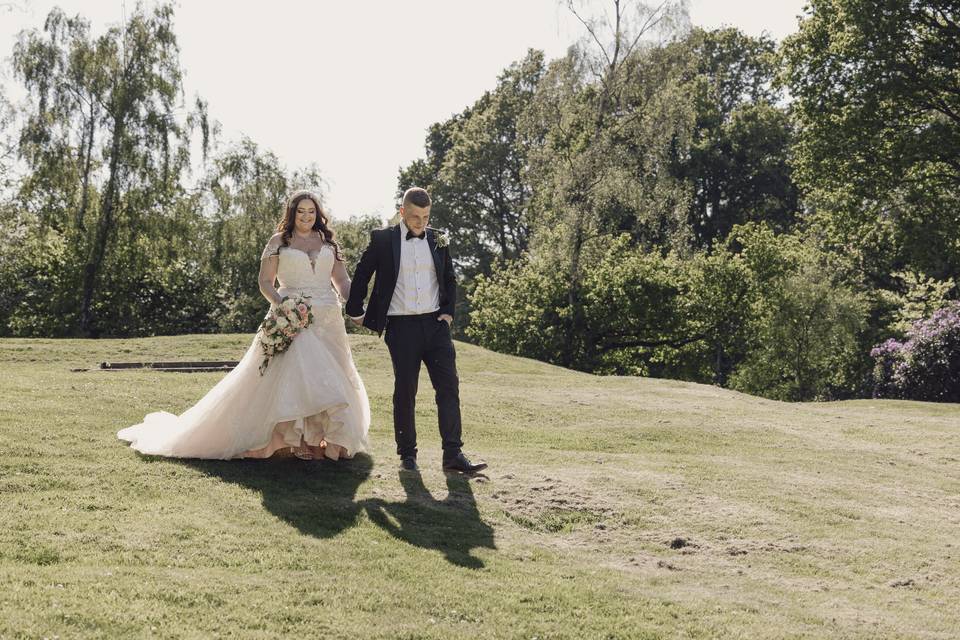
{"x": 442, "y": 240}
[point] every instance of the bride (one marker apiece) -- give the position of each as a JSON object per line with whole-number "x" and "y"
{"x": 310, "y": 398}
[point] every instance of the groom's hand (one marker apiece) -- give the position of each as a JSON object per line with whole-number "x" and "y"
{"x": 358, "y": 321}
{"x": 446, "y": 317}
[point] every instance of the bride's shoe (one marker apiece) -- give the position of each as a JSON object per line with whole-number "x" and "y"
{"x": 303, "y": 451}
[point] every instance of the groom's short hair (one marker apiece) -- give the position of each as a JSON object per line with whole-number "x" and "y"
{"x": 416, "y": 196}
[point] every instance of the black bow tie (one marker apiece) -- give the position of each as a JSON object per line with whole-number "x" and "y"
{"x": 411, "y": 234}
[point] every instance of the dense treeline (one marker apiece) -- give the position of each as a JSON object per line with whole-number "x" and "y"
{"x": 106, "y": 231}
{"x": 714, "y": 207}
{"x": 779, "y": 218}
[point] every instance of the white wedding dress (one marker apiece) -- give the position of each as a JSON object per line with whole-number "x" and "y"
{"x": 309, "y": 395}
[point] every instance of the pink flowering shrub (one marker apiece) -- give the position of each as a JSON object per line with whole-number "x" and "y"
{"x": 927, "y": 365}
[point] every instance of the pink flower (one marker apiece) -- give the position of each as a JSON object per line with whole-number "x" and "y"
{"x": 302, "y": 308}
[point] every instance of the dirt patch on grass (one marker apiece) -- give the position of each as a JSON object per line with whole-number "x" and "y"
{"x": 549, "y": 505}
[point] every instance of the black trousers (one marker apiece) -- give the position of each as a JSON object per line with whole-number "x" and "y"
{"x": 412, "y": 340}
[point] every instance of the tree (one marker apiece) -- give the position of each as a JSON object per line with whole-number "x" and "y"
{"x": 737, "y": 160}
{"x": 651, "y": 314}
{"x": 876, "y": 90}
{"x": 60, "y": 70}
{"x": 475, "y": 170}
{"x": 353, "y": 236}
{"x": 8, "y": 147}
{"x": 104, "y": 146}
{"x": 610, "y": 120}
{"x": 805, "y": 322}
{"x": 245, "y": 189}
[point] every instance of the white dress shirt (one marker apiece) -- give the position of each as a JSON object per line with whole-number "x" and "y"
{"x": 417, "y": 289}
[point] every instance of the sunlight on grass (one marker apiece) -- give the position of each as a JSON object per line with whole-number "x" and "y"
{"x": 806, "y": 520}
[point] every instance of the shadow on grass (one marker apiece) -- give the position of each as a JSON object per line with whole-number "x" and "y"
{"x": 319, "y": 499}
{"x": 452, "y": 526}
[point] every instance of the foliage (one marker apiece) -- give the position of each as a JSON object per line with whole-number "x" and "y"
{"x": 642, "y": 308}
{"x": 519, "y": 309}
{"x": 664, "y": 315}
{"x": 36, "y": 283}
{"x": 661, "y": 200}
{"x": 737, "y": 159}
{"x": 805, "y": 322}
{"x": 769, "y": 319}
{"x": 804, "y": 337}
{"x": 920, "y": 298}
{"x": 610, "y": 119}
{"x": 877, "y": 105}
{"x": 104, "y": 148}
{"x": 8, "y": 145}
{"x": 475, "y": 171}
{"x": 927, "y": 365}
{"x": 353, "y": 235}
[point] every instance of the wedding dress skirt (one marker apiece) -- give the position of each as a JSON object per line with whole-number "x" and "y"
{"x": 309, "y": 394}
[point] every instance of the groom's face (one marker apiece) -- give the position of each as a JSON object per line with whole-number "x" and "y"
{"x": 416, "y": 218}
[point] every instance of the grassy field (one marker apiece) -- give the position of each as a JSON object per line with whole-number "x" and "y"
{"x": 613, "y": 508}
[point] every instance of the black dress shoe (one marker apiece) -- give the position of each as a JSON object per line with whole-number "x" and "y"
{"x": 409, "y": 464}
{"x": 463, "y": 464}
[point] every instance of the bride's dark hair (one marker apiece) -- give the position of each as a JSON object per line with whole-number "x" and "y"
{"x": 321, "y": 224}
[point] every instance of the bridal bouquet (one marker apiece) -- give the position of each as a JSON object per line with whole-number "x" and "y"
{"x": 281, "y": 326}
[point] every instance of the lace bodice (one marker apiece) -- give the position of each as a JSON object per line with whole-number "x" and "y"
{"x": 307, "y": 273}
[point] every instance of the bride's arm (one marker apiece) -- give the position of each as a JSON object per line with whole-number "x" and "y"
{"x": 341, "y": 280}
{"x": 267, "y": 278}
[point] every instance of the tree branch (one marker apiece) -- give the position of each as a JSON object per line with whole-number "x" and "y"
{"x": 676, "y": 343}
{"x": 589, "y": 29}
{"x": 646, "y": 27}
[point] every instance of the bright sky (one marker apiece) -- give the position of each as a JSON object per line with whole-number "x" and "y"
{"x": 353, "y": 86}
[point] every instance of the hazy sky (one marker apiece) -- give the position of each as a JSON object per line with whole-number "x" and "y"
{"x": 353, "y": 86}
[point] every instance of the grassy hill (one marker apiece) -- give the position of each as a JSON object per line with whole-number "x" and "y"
{"x": 613, "y": 508}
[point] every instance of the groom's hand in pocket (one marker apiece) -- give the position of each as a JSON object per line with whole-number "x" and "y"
{"x": 446, "y": 317}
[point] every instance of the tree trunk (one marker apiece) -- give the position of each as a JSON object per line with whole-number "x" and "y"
{"x": 87, "y": 163}
{"x": 98, "y": 249}
{"x": 576, "y": 334}
{"x": 502, "y": 209}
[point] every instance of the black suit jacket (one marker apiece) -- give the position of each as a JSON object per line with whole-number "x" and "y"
{"x": 381, "y": 260}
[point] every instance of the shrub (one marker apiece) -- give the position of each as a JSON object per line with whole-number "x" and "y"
{"x": 805, "y": 334}
{"x": 520, "y": 310}
{"x": 927, "y": 365}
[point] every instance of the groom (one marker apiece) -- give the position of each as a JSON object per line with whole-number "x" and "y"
{"x": 414, "y": 292}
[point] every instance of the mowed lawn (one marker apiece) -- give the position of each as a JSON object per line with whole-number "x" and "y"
{"x": 613, "y": 508}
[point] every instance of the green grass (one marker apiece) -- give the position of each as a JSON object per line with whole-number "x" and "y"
{"x": 795, "y": 520}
